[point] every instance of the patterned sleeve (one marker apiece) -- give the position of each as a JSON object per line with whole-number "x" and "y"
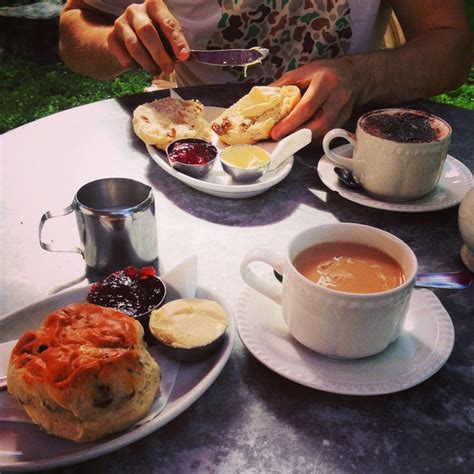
{"x": 114, "y": 7}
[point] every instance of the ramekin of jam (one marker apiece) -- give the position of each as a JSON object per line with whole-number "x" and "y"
{"x": 192, "y": 156}
{"x": 134, "y": 291}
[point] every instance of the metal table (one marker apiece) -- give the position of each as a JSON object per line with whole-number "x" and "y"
{"x": 250, "y": 419}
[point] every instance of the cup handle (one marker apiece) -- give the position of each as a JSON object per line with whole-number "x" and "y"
{"x": 338, "y": 159}
{"x": 49, "y": 215}
{"x": 269, "y": 289}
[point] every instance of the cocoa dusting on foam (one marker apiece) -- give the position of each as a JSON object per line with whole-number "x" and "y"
{"x": 403, "y": 127}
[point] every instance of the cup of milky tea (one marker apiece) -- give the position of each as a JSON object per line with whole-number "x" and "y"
{"x": 398, "y": 154}
{"x": 346, "y": 287}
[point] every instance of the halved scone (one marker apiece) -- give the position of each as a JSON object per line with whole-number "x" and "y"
{"x": 252, "y": 117}
{"x": 164, "y": 120}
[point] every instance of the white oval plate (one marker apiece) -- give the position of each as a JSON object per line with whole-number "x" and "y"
{"x": 422, "y": 349}
{"x": 217, "y": 182}
{"x": 24, "y": 447}
{"x": 453, "y": 185}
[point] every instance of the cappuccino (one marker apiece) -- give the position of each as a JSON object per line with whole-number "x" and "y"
{"x": 408, "y": 126}
{"x": 398, "y": 154}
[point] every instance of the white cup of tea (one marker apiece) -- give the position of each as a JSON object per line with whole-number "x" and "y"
{"x": 398, "y": 154}
{"x": 334, "y": 322}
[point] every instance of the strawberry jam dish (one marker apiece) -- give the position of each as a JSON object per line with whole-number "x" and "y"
{"x": 133, "y": 291}
{"x": 192, "y": 156}
{"x": 193, "y": 153}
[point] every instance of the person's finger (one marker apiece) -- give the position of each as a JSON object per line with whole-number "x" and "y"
{"x": 136, "y": 50}
{"x": 312, "y": 99}
{"x": 333, "y": 113}
{"x": 118, "y": 49}
{"x": 287, "y": 79}
{"x": 169, "y": 27}
{"x": 151, "y": 41}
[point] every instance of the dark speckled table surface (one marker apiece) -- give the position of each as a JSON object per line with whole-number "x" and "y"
{"x": 250, "y": 420}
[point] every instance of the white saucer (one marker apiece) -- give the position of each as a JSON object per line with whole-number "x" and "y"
{"x": 453, "y": 185}
{"x": 218, "y": 182}
{"x": 422, "y": 349}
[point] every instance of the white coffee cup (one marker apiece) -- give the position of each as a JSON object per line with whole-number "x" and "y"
{"x": 387, "y": 167}
{"x": 330, "y": 322}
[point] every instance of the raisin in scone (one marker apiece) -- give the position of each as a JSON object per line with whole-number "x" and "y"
{"x": 252, "y": 117}
{"x": 85, "y": 373}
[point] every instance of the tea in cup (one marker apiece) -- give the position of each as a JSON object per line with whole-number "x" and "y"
{"x": 398, "y": 154}
{"x": 346, "y": 287}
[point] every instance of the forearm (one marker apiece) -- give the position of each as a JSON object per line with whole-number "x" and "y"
{"x": 412, "y": 71}
{"x": 83, "y": 43}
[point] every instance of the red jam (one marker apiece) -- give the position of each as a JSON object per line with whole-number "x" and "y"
{"x": 133, "y": 291}
{"x": 193, "y": 153}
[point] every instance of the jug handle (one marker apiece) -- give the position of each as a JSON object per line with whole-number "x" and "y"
{"x": 49, "y": 215}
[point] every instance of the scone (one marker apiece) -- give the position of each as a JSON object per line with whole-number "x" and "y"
{"x": 164, "y": 120}
{"x": 252, "y": 118}
{"x": 85, "y": 373}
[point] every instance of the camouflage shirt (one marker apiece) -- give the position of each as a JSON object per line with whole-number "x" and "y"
{"x": 295, "y": 31}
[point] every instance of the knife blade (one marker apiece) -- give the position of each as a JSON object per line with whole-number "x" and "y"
{"x": 229, "y": 57}
{"x": 219, "y": 57}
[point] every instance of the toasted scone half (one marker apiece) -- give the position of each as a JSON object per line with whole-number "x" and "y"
{"x": 164, "y": 120}
{"x": 252, "y": 117}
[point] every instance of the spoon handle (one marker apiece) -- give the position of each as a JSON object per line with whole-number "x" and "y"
{"x": 448, "y": 280}
{"x": 289, "y": 146}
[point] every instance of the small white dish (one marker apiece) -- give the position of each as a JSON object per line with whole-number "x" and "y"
{"x": 423, "y": 347}
{"x": 23, "y": 446}
{"x": 453, "y": 185}
{"x": 217, "y": 182}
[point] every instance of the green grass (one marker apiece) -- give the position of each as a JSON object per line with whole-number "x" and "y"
{"x": 29, "y": 91}
{"x": 462, "y": 97}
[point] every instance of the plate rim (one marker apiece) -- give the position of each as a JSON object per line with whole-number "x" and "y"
{"x": 215, "y": 368}
{"x": 440, "y": 353}
{"x": 409, "y": 207}
{"x": 237, "y": 190}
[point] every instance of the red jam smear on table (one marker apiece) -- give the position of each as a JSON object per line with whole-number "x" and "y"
{"x": 134, "y": 291}
{"x": 193, "y": 153}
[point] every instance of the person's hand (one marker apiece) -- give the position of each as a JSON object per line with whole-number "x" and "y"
{"x": 137, "y": 37}
{"x": 328, "y": 99}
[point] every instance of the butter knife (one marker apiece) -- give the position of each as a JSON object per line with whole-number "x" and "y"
{"x": 229, "y": 57}
{"x": 220, "y": 57}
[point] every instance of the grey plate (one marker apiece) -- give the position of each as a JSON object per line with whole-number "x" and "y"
{"x": 24, "y": 447}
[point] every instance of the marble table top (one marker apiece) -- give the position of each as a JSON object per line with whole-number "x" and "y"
{"x": 250, "y": 419}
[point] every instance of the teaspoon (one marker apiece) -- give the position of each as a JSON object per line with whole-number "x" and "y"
{"x": 346, "y": 177}
{"x": 446, "y": 280}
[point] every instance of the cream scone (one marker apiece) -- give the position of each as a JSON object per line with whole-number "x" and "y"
{"x": 252, "y": 117}
{"x": 164, "y": 120}
{"x": 85, "y": 373}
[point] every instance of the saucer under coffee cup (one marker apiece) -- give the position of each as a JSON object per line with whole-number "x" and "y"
{"x": 398, "y": 154}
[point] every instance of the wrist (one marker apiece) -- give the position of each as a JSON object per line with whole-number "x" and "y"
{"x": 357, "y": 79}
